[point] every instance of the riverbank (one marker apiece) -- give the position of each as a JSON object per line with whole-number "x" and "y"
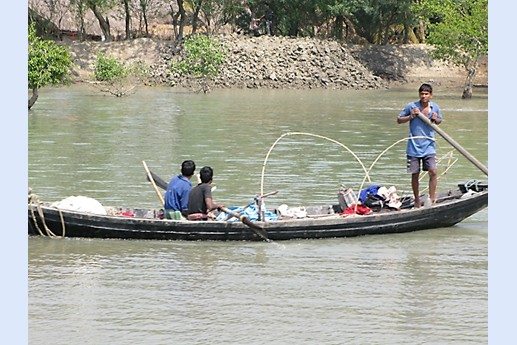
{"x": 287, "y": 63}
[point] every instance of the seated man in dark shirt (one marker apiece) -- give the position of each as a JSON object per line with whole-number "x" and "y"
{"x": 200, "y": 201}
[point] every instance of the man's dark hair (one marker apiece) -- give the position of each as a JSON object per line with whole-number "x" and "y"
{"x": 425, "y": 87}
{"x": 188, "y": 167}
{"x": 206, "y": 174}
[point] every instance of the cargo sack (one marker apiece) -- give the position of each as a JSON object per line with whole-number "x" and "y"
{"x": 375, "y": 202}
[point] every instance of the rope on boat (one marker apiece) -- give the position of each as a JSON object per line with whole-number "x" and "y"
{"x": 34, "y": 201}
{"x": 447, "y": 155}
{"x": 449, "y": 165}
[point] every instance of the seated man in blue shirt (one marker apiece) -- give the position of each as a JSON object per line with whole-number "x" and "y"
{"x": 178, "y": 192}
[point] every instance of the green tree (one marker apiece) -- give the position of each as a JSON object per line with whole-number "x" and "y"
{"x": 295, "y": 17}
{"x": 99, "y": 8}
{"x": 459, "y": 32}
{"x": 379, "y": 21}
{"x": 49, "y": 64}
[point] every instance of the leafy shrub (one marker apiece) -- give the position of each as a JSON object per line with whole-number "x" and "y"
{"x": 108, "y": 68}
{"x": 203, "y": 57}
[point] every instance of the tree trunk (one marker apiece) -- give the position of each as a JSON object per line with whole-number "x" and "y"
{"x": 420, "y": 32}
{"x": 128, "y": 19}
{"x": 350, "y": 33}
{"x": 469, "y": 81}
{"x": 182, "y": 20}
{"x": 82, "y": 30}
{"x": 195, "y": 17}
{"x": 34, "y": 97}
{"x": 386, "y": 35}
{"x": 407, "y": 30}
{"x": 174, "y": 22}
{"x": 338, "y": 27}
{"x": 146, "y": 23}
{"x": 103, "y": 23}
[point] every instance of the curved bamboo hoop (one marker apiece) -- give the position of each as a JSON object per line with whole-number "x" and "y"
{"x": 312, "y": 135}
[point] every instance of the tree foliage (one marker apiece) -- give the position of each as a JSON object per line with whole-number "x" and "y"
{"x": 49, "y": 64}
{"x": 458, "y": 29}
{"x": 99, "y": 8}
{"x": 373, "y": 21}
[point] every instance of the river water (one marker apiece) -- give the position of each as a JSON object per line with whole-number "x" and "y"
{"x": 426, "y": 287}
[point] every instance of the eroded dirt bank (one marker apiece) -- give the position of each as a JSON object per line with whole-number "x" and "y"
{"x": 286, "y": 63}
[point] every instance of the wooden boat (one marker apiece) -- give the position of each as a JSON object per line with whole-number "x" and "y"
{"x": 325, "y": 221}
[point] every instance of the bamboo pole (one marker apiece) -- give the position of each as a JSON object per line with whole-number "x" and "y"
{"x": 154, "y": 184}
{"x": 457, "y": 146}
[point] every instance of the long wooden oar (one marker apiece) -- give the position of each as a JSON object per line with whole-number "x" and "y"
{"x": 153, "y": 178}
{"x": 457, "y": 146}
{"x": 245, "y": 220}
{"x": 157, "y": 180}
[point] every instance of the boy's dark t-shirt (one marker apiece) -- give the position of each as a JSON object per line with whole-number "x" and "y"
{"x": 197, "y": 198}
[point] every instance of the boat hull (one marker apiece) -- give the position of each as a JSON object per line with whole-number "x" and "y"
{"x": 49, "y": 221}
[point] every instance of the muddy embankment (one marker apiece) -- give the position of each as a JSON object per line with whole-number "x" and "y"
{"x": 287, "y": 63}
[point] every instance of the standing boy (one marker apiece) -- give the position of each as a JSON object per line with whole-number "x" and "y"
{"x": 420, "y": 150}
